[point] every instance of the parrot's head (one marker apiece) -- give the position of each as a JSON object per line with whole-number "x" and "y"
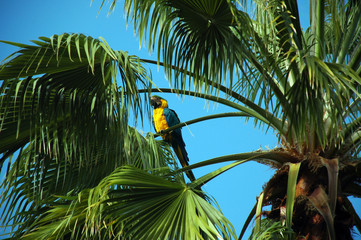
{"x": 157, "y": 102}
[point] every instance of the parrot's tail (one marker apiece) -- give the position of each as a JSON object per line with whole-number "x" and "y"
{"x": 182, "y": 155}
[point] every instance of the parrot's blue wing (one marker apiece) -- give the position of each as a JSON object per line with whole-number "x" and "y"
{"x": 176, "y": 140}
{"x": 172, "y": 119}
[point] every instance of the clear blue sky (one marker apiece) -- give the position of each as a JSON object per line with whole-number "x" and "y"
{"x": 235, "y": 191}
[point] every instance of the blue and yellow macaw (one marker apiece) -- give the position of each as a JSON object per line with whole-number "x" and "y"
{"x": 163, "y": 118}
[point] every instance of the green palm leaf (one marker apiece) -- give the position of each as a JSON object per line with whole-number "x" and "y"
{"x": 70, "y": 80}
{"x": 194, "y": 36}
{"x": 130, "y": 204}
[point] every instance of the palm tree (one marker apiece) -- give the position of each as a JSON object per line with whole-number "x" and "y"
{"x": 65, "y": 102}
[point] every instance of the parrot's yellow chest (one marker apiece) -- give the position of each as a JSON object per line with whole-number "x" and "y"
{"x": 160, "y": 123}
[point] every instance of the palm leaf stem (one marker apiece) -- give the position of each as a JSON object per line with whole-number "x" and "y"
{"x": 332, "y": 167}
{"x": 291, "y": 188}
{"x": 313, "y": 17}
{"x": 248, "y": 221}
{"x": 264, "y": 116}
{"x": 319, "y": 28}
{"x": 273, "y": 158}
{"x": 213, "y": 116}
{"x": 208, "y": 177}
{"x": 257, "y": 225}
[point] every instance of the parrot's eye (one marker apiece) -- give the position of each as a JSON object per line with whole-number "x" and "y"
{"x": 153, "y": 103}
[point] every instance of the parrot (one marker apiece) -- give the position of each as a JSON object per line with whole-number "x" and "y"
{"x": 163, "y": 118}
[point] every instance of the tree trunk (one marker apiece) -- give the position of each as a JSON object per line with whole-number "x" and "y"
{"x": 308, "y": 221}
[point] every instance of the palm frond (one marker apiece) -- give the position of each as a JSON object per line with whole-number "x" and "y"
{"x": 69, "y": 80}
{"x": 131, "y": 203}
{"x": 194, "y": 37}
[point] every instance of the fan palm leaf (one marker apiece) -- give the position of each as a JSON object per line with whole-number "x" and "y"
{"x": 131, "y": 203}
{"x": 194, "y": 36}
{"x": 55, "y": 78}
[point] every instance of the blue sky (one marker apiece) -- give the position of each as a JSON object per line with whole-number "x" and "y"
{"x": 236, "y": 190}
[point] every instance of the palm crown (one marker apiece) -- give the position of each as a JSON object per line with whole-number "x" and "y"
{"x": 65, "y": 101}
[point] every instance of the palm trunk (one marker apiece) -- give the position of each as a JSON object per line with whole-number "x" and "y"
{"x": 312, "y": 217}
